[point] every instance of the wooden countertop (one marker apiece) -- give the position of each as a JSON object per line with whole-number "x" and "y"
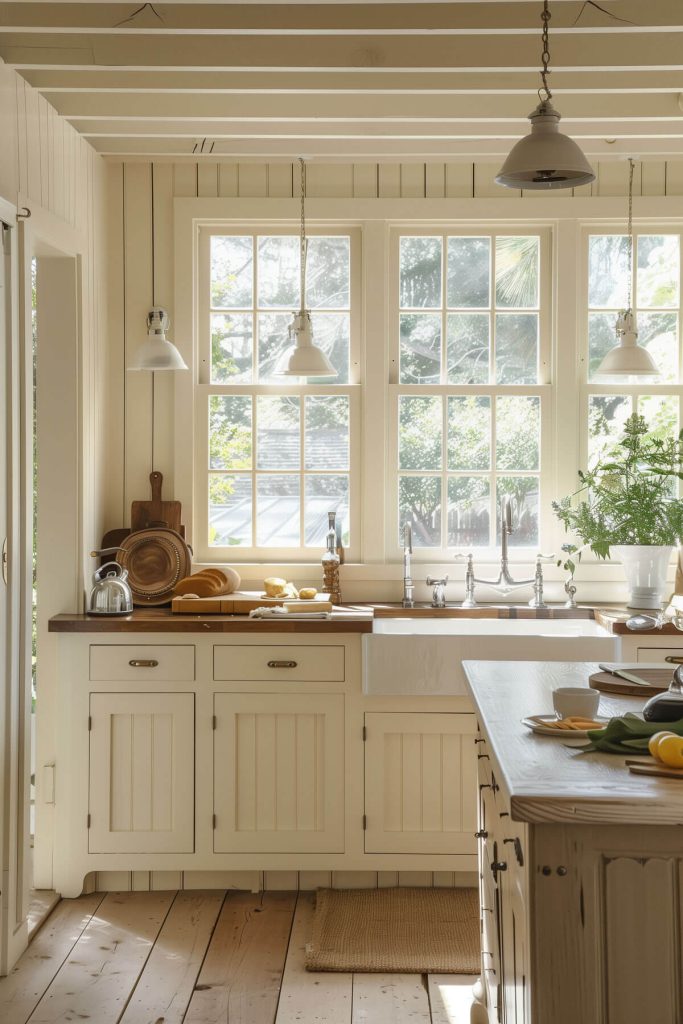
{"x": 546, "y": 781}
{"x": 614, "y": 619}
{"x": 160, "y": 620}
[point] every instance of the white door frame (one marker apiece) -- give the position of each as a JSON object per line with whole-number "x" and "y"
{"x": 14, "y": 720}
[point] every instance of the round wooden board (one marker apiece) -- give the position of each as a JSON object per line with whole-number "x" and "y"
{"x": 658, "y": 678}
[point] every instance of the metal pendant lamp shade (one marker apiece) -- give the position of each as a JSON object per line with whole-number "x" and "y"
{"x": 627, "y": 358}
{"x": 545, "y": 158}
{"x": 303, "y": 358}
{"x": 157, "y": 352}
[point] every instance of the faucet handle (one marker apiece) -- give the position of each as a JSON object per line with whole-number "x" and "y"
{"x": 462, "y": 558}
{"x": 432, "y": 582}
{"x": 545, "y": 558}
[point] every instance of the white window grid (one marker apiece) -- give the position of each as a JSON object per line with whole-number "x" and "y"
{"x": 541, "y": 390}
{"x": 205, "y": 389}
{"x": 637, "y": 391}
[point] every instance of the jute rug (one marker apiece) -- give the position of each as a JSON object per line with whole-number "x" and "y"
{"x": 395, "y": 930}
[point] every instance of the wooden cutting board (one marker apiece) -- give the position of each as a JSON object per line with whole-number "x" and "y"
{"x": 147, "y": 514}
{"x": 661, "y": 770}
{"x": 239, "y": 603}
{"x": 658, "y": 678}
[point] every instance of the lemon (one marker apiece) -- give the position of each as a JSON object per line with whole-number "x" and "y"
{"x": 654, "y": 741}
{"x": 670, "y": 751}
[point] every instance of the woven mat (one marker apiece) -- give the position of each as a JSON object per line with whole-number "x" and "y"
{"x": 396, "y": 930}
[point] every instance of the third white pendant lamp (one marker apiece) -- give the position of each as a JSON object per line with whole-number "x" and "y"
{"x": 304, "y": 359}
{"x": 627, "y": 358}
{"x": 545, "y": 158}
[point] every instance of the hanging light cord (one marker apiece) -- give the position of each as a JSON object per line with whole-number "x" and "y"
{"x": 302, "y": 167}
{"x": 631, "y": 166}
{"x": 545, "y": 56}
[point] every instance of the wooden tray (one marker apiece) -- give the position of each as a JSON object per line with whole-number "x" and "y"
{"x": 239, "y": 603}
{"x": 658, "y": 678}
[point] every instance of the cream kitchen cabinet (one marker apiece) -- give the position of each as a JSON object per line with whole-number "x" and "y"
{"x": 420, "y": 783}
{"x": 141, "y": 773}
{"x": 245, "y": 752}
{"x": 278, "y": 772}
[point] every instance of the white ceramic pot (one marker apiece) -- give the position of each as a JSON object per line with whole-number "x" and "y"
{"x": 645, "y": 566}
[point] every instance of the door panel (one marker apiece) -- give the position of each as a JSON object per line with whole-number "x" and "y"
{"x": 279, "y": 773}
{"x": 420, "y": 783}
{"x": 141, "y": 773}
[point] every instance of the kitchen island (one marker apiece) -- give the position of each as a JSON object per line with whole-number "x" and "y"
{"x": 580, "y": 864}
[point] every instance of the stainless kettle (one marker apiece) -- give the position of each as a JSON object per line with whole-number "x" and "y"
{"x": 111, "y": 594}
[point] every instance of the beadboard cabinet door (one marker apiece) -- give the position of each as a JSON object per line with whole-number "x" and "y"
{"x": 420, "y": 783}
{"x": 141, "y": 773}
{"x": 279, "y": 773}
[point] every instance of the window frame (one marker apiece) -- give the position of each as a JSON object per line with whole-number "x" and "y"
{"x": 204, "y": 390}
{"x": 543, "y": 389}
{"x": 588, "y": 388}
{"x": 378, "y": 574}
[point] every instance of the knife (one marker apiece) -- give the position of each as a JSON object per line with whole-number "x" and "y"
{"x": 622, "y": 674}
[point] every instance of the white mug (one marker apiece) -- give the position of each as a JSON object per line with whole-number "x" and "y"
{"x": 575, "y": 702}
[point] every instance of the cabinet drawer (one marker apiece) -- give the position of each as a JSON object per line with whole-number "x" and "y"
{"x": 656, "y": 654}
{"x": 244, "y": 662}
{"x": 141, "y": 663}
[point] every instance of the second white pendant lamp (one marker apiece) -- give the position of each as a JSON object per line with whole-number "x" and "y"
{"x": 545, "y": 158}
{"x": 627, "y": 358}
{"x": 304, "y": 358}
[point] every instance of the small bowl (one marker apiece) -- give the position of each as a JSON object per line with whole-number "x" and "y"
{"x": 576, "y": 701}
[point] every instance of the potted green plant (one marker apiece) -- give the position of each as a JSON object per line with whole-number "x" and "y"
{"x": 627, "y": 505}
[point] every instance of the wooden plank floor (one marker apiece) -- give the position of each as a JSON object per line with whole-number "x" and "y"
{"x": 205, "y": 957}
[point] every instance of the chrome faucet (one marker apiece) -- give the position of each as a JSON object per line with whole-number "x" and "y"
{"x": 408, "y": 586}
{"x": 505, "y": 583}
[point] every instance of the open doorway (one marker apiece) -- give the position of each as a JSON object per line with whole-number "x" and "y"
{"x": 51, "y": 556}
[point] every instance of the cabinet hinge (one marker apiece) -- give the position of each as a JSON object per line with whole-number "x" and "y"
{"x": 365, "y": 822}
{"x": 213, "y": 722}
{"x": 89, "y": 723}
{"x": 365, "y": 733}
{"x": 88, "y": 821}
{"x": 213, "y": 820}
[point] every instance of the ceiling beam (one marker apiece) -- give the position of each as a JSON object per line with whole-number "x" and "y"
{"x": 135, "y": 106}
{"x": 363, "y": 82}
{"x": 371, "y": 149}
{"x": 660, "y": 50}
{"x": 492, "y": 17}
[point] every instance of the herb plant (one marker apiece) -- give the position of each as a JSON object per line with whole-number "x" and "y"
{"x": 630, "y": 495}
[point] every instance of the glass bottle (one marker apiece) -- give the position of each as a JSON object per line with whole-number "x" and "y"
{"x": 330, "y": 562}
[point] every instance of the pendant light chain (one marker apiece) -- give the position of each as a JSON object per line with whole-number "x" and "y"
{"x": 631, "y": 165}
{"x": 545, "y": 56}
{"x": 303, "y": 243}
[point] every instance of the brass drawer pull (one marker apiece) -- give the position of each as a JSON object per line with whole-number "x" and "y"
{"x": 281, "y": 664}
{"x": 143, "y": 663}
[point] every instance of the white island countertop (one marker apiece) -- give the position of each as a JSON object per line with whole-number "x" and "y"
{"x": 545, "y": 780}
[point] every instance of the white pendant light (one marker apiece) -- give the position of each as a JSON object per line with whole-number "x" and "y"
{"x": 627, "y": 358}
{"x": 545, "y": 158}
{"x": 157, "y": 352}
{"x": 303, "y": 358}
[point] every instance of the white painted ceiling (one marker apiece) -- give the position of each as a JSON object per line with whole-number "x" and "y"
{"x": 379, "y": 80}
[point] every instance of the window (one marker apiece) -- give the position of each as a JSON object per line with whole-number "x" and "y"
{"x": 278, "y": 451}
{"x": 471, "y": 386}
{"x": 655, "y": 288}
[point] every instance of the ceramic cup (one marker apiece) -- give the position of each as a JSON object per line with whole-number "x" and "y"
{"x": 575, "y": 701}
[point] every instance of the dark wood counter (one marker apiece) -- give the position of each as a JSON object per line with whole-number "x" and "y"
{"x": 160, "y": 620}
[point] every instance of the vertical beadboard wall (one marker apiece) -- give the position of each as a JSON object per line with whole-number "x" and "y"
{"x": 140, "y": 210}
{"x": 48, "y": 167}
